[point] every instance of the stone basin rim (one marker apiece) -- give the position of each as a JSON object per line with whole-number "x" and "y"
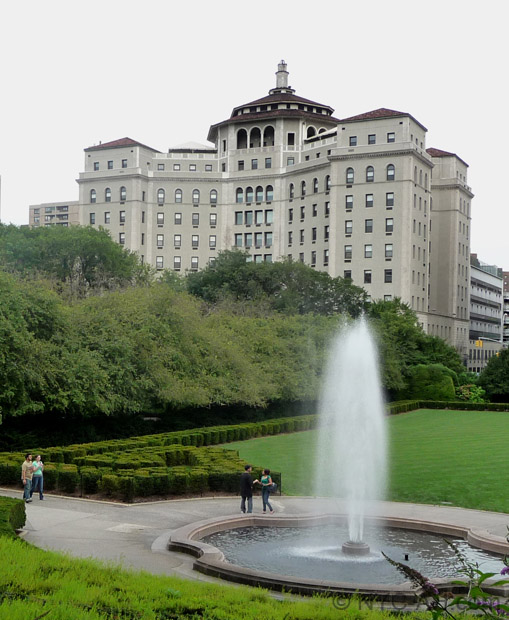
{"x": 211, "y": 561}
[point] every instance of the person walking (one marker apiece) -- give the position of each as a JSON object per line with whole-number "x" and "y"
{"x": 26, "y": 477}
{"x": 246, "y": 489}
{"x": 37, "y": 477}
{"x": 266, "y": 482}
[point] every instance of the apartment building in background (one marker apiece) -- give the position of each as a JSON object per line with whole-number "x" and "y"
{"x": 362, "y": 197}
{"x": 54, "y": 214}
{"x": 486, "y": 313}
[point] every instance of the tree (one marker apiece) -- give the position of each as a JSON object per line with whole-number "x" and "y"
{"x": 495, "y": 377}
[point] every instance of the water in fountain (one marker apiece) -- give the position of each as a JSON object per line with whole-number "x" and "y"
{"x": 351, "y": 449}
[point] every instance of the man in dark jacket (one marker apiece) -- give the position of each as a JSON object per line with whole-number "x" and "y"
{"x": 246, "y": 489}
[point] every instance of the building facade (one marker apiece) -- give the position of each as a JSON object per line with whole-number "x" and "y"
{"x": 486, "y": 313}
{"x": 361, "y": 198}
{"x": 54, "y": 214}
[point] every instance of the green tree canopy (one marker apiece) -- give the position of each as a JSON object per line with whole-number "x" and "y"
{"x": 495, "y": 377}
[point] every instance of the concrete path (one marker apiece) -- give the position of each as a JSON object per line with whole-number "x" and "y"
{"x": 136, "y": 535}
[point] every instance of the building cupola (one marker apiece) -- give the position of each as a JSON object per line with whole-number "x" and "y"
{"x": 281, "y": 81}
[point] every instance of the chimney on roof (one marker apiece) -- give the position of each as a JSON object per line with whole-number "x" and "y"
{"x": 281, "y": 80}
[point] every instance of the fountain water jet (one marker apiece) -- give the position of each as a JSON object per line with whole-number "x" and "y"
{"x": 351, "y": 461}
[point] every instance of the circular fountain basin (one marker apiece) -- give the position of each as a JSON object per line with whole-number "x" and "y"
{"x": 310, "y": 567}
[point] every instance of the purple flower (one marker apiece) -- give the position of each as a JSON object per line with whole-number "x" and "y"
{"x": 505, "y": 570}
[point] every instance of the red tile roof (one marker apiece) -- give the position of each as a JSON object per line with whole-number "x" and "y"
{"x": 115, "y": 144}
{"x": 439, "y": 153}
{"x": 378, "y": 114}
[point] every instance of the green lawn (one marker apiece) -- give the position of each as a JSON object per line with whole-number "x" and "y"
{"x": 435, "y": 456}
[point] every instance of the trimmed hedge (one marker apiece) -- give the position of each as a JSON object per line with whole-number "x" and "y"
{"x": 12, "y": 516}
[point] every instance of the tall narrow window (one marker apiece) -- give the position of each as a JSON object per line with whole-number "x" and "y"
{"x": 160, "y": 196}
{"x": 239, "y": 195}
{"x": 123, "y": 194}
{"x": 291, "y": 191}
{"x": 107, "y": 195}
{"x": 160, "y": 241}
{"x": 368, "y": 250}
{"x": 391, "y": 172}
{"x": 196, "y": 196}
{"x": 213, "y": 196}
{"x": 303, "y": 189}
{"x": 269, "y": 193}
{"x": 370, "y": 174}
{"x": 315, "y": 186}
{"x": 249, "y": 194}
{"x": 93, "y": 196}
{"x": 92, "y": 219}
{"x": 349, "y": 176}
{"x": 327, "y": 183}
{"x": 388, "y": 250}
{"x": 259, "y": 193}
{"x": 178, "y": 195}
{"x": 160, "y": 219}
{"x": 349, "y": 202}
{"x": 369, "y": 200}
{"x": 121, "y": 238}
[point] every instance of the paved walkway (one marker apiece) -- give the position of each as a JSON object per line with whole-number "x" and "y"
{"x": 136, "y": 535}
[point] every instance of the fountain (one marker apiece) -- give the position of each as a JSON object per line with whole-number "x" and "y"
{"x": 352, "y": 445}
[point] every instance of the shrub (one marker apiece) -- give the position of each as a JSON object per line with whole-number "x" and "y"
{"x": 68, "y": 478}
{"x": 161, "y": 483}
{"x": 198, "y": 480}
{"x": 12, "y": 515}
{"x": 108, "y": 484}
{"x": 90, "y": 477}
{"x": 179, "y": 481}
{"x": 126, "y": 488}
{"x": 143, "y": 484}
{"x": 10, "y": 472}
{"x": 50, "y": 476}
{"x": 430, "y": 381}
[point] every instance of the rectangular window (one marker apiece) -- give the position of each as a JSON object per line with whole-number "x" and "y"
{"x": 143, "y": 217}
{"x": 347, "y": 274}
{"x": 313, "y": 258}
{"x": 143, "y": 196}
{"x": 248, "y": 218}
{"x": 142, "y": 238}
{"x": 290, "y": 237}
{"x": 195, "y": 219}
{"x": 326, "y": 233}
{"x": 124, "y": 163}
{"x": 195, "y": 241}
{"x": 248, "y": 240}
{"x": 192, "y": 167}
{"x": 107, "y": 217}
{"x": 387, "y": 297}
{"x": 368, "y": 226}
{"x": 348, "y": 227}
{"x": 178, "y": 218}
{"x": 313, "y": 234}
{"x": 177, "y": 241}
{"x": 160, "y": 219}
{"x": 160, "y": 241}
{"x": 208, "y": 167}
{"x": 368, "y": 250}
{"x": 326, "y": 257}
{"x": 388, "y": 276}
{"x": 238, "y": 240}
{"x": 269, "y": 216}
{"x": 177, "y": 263}
{"x": 348, "y": 252}
{"x": 258, "y": 217}
{"x": 290, "y": 215}
{"x": 121, "y": 238}
{"x": 110, "y": 165}
{"x": 258, "y": 240}
{"x": 389, "y": 224}
{"x": 160, "y": 166}
{"x": 121, "y": 217}
{"x": 268, "y": 239}
{"x": 254, "y": 164}
{"x": 301, "y": 236}
{"x": 315, "y": 210}
{"x": 369, "y": 200}
{"x": 291, "y": 139}
{"x": 239, "y": 218}
{"x": 389, "y": 199}
{"x": 349, "y": 202}
{"x": 212, "y": 242}
{"x": 290, "y": 161}
{"x": 96, "y": 165}
{"x": 268, "y": 162}
{"x": 213, "y": 219}
{"x": 388, "y": 250}
{"x": 353, "y": 140}
{"x": 367, "y": 276}
{"x": 176, "y": 167}
{"x": 240, "y": 164}
{"x": 159, "y": 262}
{"x": 92, "y": 218}
{"x": 391, "y": 137}
{"x": 372, "y": 138}
{"x": 302, "y": 213}
{"x": 327, "y": 209}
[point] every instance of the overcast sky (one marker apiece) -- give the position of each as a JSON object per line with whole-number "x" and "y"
{"x": 76, "y": 72}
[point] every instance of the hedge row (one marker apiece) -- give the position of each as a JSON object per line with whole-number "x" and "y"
{"x": 12, "y": 515}
{"x": 412, "y": 405}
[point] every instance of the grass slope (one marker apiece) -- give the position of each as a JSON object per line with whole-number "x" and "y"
{"x": 435, "y": 456}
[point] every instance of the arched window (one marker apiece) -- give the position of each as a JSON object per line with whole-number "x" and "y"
{"x": 268, "y": 136}
{"x": 107, "y": 195}
{"x": 259, "y": 193}
{"x": 291, "y": 191}
{"x": 249, "y": 194}
{"x": 93, "y": 195}
{"x": 269, "y": 193}
{"x": 391, "y": 172}
{"x": 196, "y": 196}
{"x": 239, "y": 195}
{"x": 315, "y": 186}
{"x": 327, "y": 183}
{"x": 242, "y": 139}
{"x": 303, "y": 189}
{"x": 370, "y": 174}
{"x": 255, "y": 138}
{"x": 310, "y": 132}
{"x": 123, "y": 194}
{"x": 160, "y": 196}
{"x": 321, "y": 130}
{"x": 178, "y": 195}
{"x": 213, "y": 196}
{"x": 349, "y": 176}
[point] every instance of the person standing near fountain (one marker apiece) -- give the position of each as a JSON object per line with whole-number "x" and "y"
{"x": 266, "y": 482}
{"x": 246, "y": 489}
